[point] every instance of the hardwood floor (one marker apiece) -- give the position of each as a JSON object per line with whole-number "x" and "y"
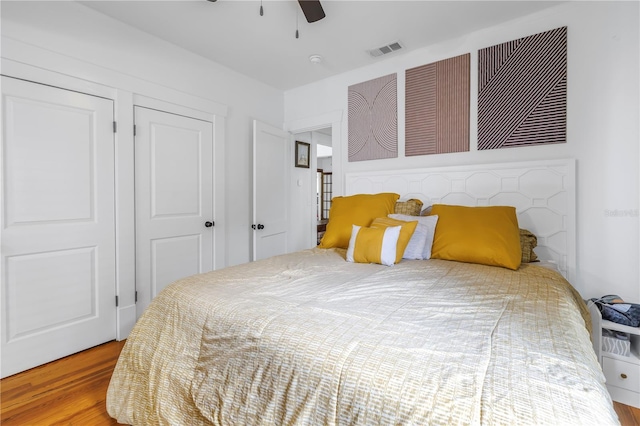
{"x": 69, "y": 391}
{"x": 72, "y": 390}
{"x": 629, "y": 416}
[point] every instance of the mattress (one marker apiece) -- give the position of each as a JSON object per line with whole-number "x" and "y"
{"x": 308, "y": 338}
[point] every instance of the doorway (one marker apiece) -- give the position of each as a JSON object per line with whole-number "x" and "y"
{"x": 324, "y": 187}
{"x": 320, "y": 131}
{"x": 320, "y": 191}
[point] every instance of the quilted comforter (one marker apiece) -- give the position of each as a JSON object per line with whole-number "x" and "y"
{"x": 308, "y": 339}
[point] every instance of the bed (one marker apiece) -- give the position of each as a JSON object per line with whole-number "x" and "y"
{"x": 310, "y": 338}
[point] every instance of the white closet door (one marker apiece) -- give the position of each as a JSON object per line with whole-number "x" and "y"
{"x": 58, "y": 229}
{"x": 174, "y": 200}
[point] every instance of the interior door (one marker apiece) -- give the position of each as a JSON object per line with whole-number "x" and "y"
{"x": 58, "y": 225}
{"x": 174, "y": 200}
{"x": 270, "y": 190}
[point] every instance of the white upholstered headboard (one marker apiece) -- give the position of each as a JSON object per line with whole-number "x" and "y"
{"x": 543, "y": 193}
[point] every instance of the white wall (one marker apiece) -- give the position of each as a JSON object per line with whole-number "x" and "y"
{"x": 602, "y": 128}
{"x": 91, "y": 46}
{"x": 326, "y": 164}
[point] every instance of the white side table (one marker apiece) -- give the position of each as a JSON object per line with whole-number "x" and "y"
{"x": 622, "y": 372}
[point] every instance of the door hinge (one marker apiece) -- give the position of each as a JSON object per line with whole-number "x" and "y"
{"x": 134, "y": 130}
{"x": 115, "y": 127}
{"x": 135, "y": 300}
{"x": 116, "y": 301}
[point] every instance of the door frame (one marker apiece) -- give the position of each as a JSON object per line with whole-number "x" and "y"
{"x": 334, "y": 120}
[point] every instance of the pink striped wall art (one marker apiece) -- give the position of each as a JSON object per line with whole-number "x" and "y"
{"x": 522, "y": 91}
{"x": 373, "y": 119}
{"x": 437, "y": 107}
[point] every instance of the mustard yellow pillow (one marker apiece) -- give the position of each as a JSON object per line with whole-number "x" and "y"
{"x": 358, "y": 210}
{"x": 406, "y": 231}
{"x": 486, "y": 235}
{"x": 373, "y": 245}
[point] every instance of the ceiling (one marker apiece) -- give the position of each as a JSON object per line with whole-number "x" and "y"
{"x": 232, "y": 32}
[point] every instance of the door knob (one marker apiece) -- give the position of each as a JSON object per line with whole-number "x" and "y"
{"x": 260, "y": 226}
{"x": 208, "y": 224}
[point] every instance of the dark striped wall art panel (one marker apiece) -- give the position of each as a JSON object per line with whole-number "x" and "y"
{"x": 437, "y": 107}
{"x": 373, "y": 119}
{"x": 522, "y": 91}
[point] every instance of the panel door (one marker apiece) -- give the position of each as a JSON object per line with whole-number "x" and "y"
{"x": 58, "y": 225}
{"x": 174, "y": 200}
{"x": 270, "y": 190}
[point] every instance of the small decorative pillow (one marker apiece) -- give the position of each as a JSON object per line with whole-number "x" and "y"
{"x": 358, "y": 210}
{"x": 485, "y": 235}
{"x": 528, "y": 242}
{"x": 411, "y": 207}
{"x": 373, "y": 245}
{"x": 419, "y": 246}
{"x": 405, "y": 233}
{"x": 426, "y": 211}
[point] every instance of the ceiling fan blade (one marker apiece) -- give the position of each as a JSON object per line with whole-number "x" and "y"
{"x": 312, "y": 10}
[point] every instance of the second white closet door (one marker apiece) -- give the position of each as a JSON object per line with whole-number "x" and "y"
{"x": 174, "y": 200}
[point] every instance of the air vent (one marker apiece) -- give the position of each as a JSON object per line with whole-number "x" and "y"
{"x": 385, "y": 49}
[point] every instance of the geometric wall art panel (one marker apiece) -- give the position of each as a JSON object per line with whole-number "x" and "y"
{"x": 522, "y": 91}
{"x": 373, "y": 119}
{"x": 437, "y": 107}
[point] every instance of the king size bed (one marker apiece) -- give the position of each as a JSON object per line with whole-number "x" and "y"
{"x": 322, "y": 336}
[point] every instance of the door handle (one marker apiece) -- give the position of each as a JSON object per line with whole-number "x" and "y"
{"x": 209, "y": 224}
{"x": 260, "y": 226}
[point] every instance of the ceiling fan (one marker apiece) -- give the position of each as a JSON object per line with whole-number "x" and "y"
{"x": 312, "y": 9}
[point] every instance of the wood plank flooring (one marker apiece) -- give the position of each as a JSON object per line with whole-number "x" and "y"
{"x": 629, "y": 416}
{"x": 72, "y": 391}
{"x": 69, "y": 391}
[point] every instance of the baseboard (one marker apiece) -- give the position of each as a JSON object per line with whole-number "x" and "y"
{"x": 126, "y": 319}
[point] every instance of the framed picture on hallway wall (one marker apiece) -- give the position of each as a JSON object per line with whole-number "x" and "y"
{"x": 303, "y": 151}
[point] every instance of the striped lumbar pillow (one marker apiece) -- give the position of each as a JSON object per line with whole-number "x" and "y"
{"x": 373, "y": 245}
{"x": 407, "y": 231}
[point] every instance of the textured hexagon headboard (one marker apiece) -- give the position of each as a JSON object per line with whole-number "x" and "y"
{"x": 543, "y": 193}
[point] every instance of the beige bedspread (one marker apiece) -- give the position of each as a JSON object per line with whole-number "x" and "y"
{"x": 308, "y": 338}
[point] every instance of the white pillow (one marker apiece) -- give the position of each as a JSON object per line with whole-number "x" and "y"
{"x": 418, "y": 240}
{"x": 373, "y": 245}
{"x": 421, "y": 241}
